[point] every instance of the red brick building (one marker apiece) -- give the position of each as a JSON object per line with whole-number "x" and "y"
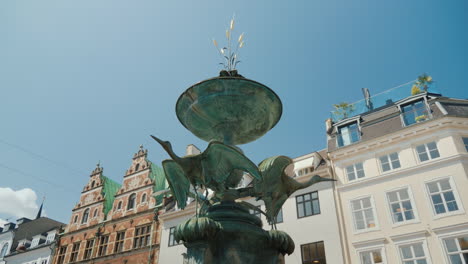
{"x": 115, "y": 223}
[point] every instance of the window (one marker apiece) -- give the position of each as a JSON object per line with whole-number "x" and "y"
{"x": 307, "y": 204}
{"x": 465, "y": 141}
{"x": 61, "y": 255}
{"x": 131, "y": 201}
{"x": 348, "y": 134}
{"x": 74, "y": 253}
{"x": 363, "y": 214}
{"x": 172, "y": 241}
{"x": 414, "y": 112}
{"x": 35, "y": 242}
{"x": 355, "y": 171}
{"x": 119, "y": 205}
{"x": 413, "y": 254}
{"x": 92, "y": 184}
{"x": 442, "y": 196}
{"x": 371, "y": 257}
{"x": 389, "y": 162}
{"x": 137, "y": 167}
{"x": 427, "y": 151}
{"x": 457, "y": 249}
{"x": 119, "y": 241}
{"x": 257, "y": 213}
{"x": 76, "y": 219}
{"x": 143, "y": 198}
{"x": 313, "y": 253}
{"x": 401, "y": 206}
{"x": 102, "y": 250}
{"x": 85, "y": 216}
{"x": 50, "y": 237}
{"x": 279, "y": 216}
{"x": 88, "y": 249}
{"x": 44, "y": 261}
{"x": 95, "y": 213}
{"x": 142, "y": 236}
{"x": 4, "y": 250}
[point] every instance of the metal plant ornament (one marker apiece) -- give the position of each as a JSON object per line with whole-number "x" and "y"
{"x": 230, "y": 53}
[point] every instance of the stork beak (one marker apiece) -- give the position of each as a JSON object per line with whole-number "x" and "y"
{"x": 158, "y": 140}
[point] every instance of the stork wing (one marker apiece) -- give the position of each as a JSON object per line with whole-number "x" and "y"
{"x": 271, "y": 187}
{"x": 272, "y": 168}
{"x": 178, "y": 182}
{"x": 219, "y": 160}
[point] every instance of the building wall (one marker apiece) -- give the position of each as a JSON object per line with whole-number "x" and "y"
{"x": 173, "y": 253}
{"x": 39, "y": 256}
{"x": 413, "y": 174}
{"x": 120, "y": 218}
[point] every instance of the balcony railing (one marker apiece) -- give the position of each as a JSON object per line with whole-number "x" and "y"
{"x": 386, "y": 98}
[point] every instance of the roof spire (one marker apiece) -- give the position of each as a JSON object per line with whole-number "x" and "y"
{"x": 39, "y": 213}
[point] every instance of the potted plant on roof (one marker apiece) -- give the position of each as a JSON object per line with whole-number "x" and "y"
{"x": 421, "y": 84}
{"x": 343, "y": 110}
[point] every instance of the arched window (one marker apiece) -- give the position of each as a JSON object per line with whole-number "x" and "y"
{"x": 92, "y": 184}
{"x": 143, "y": 198}
{"x": 95, "y": 213}
{"x": 85, "y": 216}
{"x": 4, "y": 250}
{"x": 137, "y": 166}
{"x": 76, "y": 219}
{"x": 119, "y": 205}
{"x": 131, "y": 201}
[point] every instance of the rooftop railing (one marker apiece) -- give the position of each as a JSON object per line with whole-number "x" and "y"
{"x": 386, "y": 98}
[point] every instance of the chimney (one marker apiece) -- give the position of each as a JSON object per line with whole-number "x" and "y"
{"x": 8, "y": 226}
{"x": 22, "y": 220}
{"x": 192, "y": 150}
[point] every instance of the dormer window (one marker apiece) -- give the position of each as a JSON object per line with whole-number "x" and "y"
{"x": 414, "y": 112}
{"x": 35, "y": 241}
{"x": 50, "y": 237}
{"x": 348, "y": 134}
{"x": 137, "y": 167}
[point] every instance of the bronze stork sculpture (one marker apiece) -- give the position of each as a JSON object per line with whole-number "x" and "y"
{"x": 276, "y": 184}
{"x": 210, "y": 169}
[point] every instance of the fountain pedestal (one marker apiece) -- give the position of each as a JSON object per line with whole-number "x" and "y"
{"x": 240, "y": 239}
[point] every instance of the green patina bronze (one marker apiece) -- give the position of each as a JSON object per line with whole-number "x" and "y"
{"x": 227, "y": 111}
{"x": 233, "y": 110}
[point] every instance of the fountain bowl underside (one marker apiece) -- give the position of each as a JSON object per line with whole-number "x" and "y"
{"x": 233, "y": 110}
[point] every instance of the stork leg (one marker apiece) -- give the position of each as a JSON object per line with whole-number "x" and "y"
{"x": 196, "y": 201}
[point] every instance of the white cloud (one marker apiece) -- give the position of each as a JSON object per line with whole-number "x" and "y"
{"x": 20, "y": 203}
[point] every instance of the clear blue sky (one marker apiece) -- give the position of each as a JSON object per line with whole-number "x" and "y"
{"x": 83, "y": 81}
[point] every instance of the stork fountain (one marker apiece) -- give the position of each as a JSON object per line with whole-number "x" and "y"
{"x": 226, "y": 111}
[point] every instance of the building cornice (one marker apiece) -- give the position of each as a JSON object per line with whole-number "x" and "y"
{"x": 442, "y": 123}
{"x": 107, "y": 222}
{"x": 404, "y": 172}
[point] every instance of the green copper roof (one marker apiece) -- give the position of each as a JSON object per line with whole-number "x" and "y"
{"x": 159, "y": 179}
{"x": 109, "y": 189}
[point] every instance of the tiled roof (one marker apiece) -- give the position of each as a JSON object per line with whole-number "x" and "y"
{"x": 35, "y": 227}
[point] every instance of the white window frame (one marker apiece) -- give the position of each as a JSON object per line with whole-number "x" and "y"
{"x": 50, "y": 237}
{"x": 450, "y": 236}
{"x": 355, "y": 172}
{"x": 374, "y": 213}
{"x": 381, "y": 248}
{"x": 455, "y": 194}
{"x": 413, "y": 204}
{"x": 427, "y": 151}
{"x": 35, "y": 241}
{"x": 389, "y": 161}
{"x": 411, "y": 100}
{"x": 422, "y": 241}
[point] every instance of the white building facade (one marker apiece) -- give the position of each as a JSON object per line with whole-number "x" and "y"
{"x": 402, "y": 172}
